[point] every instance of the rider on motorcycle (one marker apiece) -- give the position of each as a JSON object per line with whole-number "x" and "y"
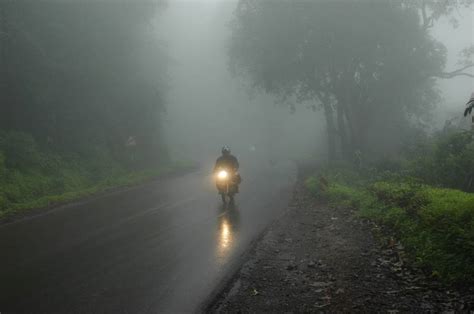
{"x": 228, "y": 161}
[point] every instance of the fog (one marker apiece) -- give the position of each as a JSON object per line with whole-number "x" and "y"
{"x": 112, "y": 115}
{"x": 208, "y": 107}
{"x": 456, "y": 39}
{"x": 155, "y": 81}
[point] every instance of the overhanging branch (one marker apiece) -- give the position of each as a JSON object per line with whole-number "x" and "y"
{"x": 427, "y": 20}
{"x": 470, "y": 106}
{"x": 455, "y": 73}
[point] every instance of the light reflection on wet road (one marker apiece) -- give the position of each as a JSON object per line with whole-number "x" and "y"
{"x": 162, "y": 247}
{"x": 227, "y": 231}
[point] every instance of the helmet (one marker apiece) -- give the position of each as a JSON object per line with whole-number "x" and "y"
{"x": 225, "y": 150}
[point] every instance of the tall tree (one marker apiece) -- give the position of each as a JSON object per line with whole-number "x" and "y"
{"x": 369, "y": 65}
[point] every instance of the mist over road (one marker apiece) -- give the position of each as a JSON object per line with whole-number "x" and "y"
{"x": 162, "y": 247}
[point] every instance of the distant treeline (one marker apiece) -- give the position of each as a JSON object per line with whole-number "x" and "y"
{"x": 82, "y": 87}
{"x": 81, "y": 76}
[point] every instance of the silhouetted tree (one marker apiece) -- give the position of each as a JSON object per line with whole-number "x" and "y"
{"x": 470, "y": 105}
{"x": 370, "y": 66}
{"x": 73, "y": 74}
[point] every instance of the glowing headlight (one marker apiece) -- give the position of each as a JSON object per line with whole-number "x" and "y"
{"x": 222, "y": 174}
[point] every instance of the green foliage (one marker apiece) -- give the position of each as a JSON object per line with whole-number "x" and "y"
{"x": 30, "y": 177}
{"x": 403, "y": 194}
{"x": 341, "y": 193}
{"x": 82, "y": 79}
{"x": 19, "y": 150}
{"x": 2, "y": 164}
{"x": 445, "y": 159}
{"x": 435, "y": 225}
{"x": 81, "y": 76}
{"x": 312, "y": 184}
{"x": 26, "y": 192}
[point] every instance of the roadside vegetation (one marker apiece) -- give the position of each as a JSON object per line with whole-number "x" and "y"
{"x": 376, "y": 88}
{"x": 82, "y": 99}
{"x": 423, "y": 199}
{"x": 31, "y": 177}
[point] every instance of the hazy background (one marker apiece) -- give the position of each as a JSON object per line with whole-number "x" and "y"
{"x": 456, "y": 91}
{"x": 91, "y": 91}
{"x": 207, "y": 107}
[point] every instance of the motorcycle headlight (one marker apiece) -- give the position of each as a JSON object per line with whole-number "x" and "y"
{"x": 222, "y": 175}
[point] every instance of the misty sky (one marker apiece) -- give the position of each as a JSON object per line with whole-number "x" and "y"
{"x": 456, "y": 91}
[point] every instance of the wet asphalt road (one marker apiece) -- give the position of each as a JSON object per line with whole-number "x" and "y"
{"x": 162, "y": 247}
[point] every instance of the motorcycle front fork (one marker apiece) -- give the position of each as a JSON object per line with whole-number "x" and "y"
{"x": 223, "y": 195}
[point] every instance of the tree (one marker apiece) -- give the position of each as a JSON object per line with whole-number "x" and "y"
{"x": 432, "y": 11}
{"x": 470, "y": 105}
{"x": 79, "y": 83}
{"x": 367, "y": 65}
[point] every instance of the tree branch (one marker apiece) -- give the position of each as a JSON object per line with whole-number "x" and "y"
{"x": 427, "y": 20}
{"x": 455, "y": 73}
{"x": 470, "y": 106}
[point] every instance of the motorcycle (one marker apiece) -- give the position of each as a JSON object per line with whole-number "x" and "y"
{"x": 227, "y": 183}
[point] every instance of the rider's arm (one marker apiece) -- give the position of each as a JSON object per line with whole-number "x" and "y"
{"x": 217, "y": 164}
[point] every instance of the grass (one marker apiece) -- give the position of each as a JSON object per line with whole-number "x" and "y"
{"x": 435, "y": 225}
{"x": 34, "y": 176}
{"x": 20, "y": 191}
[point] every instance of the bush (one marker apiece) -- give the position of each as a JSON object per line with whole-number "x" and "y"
{"x": 2, "y": 165}
{"x": 312, "y": 184}
{"x": 436, "y": 225}
{"x": 403, "y": 194}
{"x": 446, "y": 160}
{"x": 454, "y": 160}
{"x": 31, "y": 177}
{"x": 20, "y": 150}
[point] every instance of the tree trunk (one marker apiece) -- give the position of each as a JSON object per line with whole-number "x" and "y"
{"x": 362, "y": 122}
{"x": 357, "y": 123}
{"x": 342, "y": 131}
{"x": 352, "y": 133}
{"x": 331, "y": 130}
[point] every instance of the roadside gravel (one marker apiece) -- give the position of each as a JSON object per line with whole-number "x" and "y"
{"x": 322, "y": 259}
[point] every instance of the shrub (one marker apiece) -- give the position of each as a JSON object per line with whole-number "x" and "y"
{"x": 454, "y": 160}
{"x": 20, "y": 150}
{"x": 435, "y": 225}
{"x": 312, "y": 184}
{"x": 2, "y": 165}
{"x": 32, "y": 176}
{"x": 446, "y": 160}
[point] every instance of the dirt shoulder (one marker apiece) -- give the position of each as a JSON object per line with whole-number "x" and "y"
{"x": 318, "y": 258}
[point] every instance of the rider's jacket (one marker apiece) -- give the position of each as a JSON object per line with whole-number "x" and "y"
{"x": 227, "y": 161}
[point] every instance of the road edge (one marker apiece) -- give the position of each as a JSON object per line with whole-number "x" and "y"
{"x": 228, "y": 281}
{"x": 32, "y": 213}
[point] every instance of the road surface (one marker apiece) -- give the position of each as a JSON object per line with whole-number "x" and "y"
{"x": 161, "y": 247}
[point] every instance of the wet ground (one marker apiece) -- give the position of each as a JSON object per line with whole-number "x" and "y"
{"x": 161, "y": 247}
{"x": 318, "y": 258}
